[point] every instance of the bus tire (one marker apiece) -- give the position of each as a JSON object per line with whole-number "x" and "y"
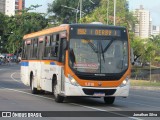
{"x": 109, "y": 100}
{"x": 33, "y": 89}
{"x": 58, "y": 98}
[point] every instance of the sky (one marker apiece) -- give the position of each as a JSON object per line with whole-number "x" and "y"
{"x": 152, "y": 5}
{"x": 42, "y": 9}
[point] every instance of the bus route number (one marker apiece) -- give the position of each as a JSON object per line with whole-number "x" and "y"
{"x": 81, "y": 32}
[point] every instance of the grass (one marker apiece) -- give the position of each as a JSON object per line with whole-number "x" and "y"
{"x": 145, "y": 83}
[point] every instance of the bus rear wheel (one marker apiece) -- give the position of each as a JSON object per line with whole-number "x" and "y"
{"x": 58, "y": 98}
{"x": 109, "y": 100}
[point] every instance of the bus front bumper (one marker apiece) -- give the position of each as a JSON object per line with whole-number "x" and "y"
{"x": 72, "y": 90}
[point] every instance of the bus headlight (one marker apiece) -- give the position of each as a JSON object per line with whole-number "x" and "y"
{"x": 125, "y": 81}
{"x": 72, "y": 80}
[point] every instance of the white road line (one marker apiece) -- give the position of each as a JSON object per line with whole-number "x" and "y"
{"x": 93, "y": 108}
{"x": 114, "y": 108}
{"x": 133, "y": 118}
{"x": 27, "y": 93}
{"x": 4, "y": 69}
{"x": 13, "y": 78}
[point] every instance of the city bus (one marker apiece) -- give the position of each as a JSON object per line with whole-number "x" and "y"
{"x": 78, "y": 60}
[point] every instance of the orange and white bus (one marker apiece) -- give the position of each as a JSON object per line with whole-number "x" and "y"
{"x": 78, "y": 60}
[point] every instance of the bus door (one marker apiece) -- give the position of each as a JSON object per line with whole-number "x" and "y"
{"x": 41, "y": 42}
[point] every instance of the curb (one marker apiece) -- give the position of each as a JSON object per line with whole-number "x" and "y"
{"x": 145, "y": 88}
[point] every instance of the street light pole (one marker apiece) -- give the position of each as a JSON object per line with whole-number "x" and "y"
{"x": 107, "y": 11}
{"x": 114, "y": 12}
{"x": 150, "y": 68}
{"x": 80, "y": 9}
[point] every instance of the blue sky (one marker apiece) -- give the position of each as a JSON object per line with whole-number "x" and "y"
{"x": 44, "y": 3}
{"x": 152, "y": 5}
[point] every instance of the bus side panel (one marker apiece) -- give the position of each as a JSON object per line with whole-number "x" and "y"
{"x": 25, "y": 73}
{"x": 48, "y": 70}
{"x": 34, "y": 68}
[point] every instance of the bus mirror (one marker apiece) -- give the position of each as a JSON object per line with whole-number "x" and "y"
{"x": 132, "y": 57}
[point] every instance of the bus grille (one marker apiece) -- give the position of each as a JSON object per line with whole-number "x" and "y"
{"x": 92, "y": 91}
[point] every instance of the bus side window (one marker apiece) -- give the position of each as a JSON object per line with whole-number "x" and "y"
{"x": 35, "y": 45}
{"x": 55, "y": 46}
{"x": 47, "y": 48}
{"x": 40, "y": 47}
{"x": 29, "y": 50}
{"x": 63, "y": 45}
{"x": 24, "y": 50}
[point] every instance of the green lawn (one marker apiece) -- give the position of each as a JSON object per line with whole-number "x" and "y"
{"x": 144, "y": 83}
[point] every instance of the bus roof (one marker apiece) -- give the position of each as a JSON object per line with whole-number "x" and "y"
{"x": 46, "y": 31}
{"x": 97, "y": 25}
{"x": 65, "y": 27}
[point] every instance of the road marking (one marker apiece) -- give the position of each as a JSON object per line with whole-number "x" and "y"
{"x": 133, "y": 118}
{"x": 93, "y": 108}
{"x": 13, "y": 78}
{"x": 4, "y": 69}
{"x": 27, "y": 93}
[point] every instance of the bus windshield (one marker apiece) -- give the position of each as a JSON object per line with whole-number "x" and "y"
{"x": 98, "y": 56}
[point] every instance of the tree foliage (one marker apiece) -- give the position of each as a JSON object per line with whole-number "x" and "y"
{"x": 123, "y": 16}
{"x": 146, "y": 49}
{"x": 59, "y": 13}
{"x": 19, "y": 25}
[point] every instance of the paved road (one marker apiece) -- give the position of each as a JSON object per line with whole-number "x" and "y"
{"x": 14, "y": 96}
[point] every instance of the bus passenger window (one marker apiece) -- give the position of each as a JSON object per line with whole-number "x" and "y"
{"x": 35, "y": 47}
{"x": 47, "y": 47}
{"x": 24, "y": 50}
{"x": 55, "y": 45}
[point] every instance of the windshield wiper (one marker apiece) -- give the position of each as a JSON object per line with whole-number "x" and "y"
{"x": 106, "y": 48}
{"x": 102, "y": 51}
{"x": 93, "y": 47}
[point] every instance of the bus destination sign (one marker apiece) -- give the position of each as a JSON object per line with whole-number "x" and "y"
{"x": 98, "y": 32}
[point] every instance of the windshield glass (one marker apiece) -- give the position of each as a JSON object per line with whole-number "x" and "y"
{"x": 98, "y": 56}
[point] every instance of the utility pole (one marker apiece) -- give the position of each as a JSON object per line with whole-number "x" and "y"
{"x": 80, "y": 9}
{"x": 114, "y": 12}
{"x": 107, "y": 11}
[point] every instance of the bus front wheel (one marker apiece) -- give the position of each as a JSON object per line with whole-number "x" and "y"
{"x": 58, "y": 98}
{"x": 109, "y": 100}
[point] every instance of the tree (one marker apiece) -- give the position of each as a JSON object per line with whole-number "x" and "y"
{"x": 123, "y": 16}
{"x": 59, "y": 13}
{"x": 21, "y": 24}
{"x": 3, "y": 31}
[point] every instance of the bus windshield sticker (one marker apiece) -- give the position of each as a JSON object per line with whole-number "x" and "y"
{"x": 86, "y": 65}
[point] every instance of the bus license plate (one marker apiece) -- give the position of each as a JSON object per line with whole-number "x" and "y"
{"x": 99, "y": 94}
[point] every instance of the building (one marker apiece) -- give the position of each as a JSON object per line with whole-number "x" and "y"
{"x": 9, "y": 7}
{"x": 2, "y": 6}
{"x": 143, "y": 27}
{"x": 155, "y": 30}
